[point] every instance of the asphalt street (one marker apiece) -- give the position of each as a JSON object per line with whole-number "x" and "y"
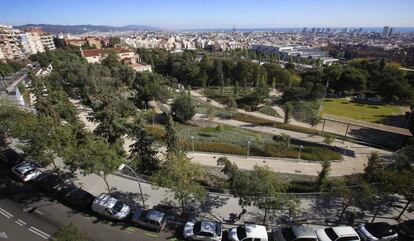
{"x": 46, "y": 215}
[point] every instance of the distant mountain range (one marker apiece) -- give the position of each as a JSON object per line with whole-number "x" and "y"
{"x": 78, "y": 29}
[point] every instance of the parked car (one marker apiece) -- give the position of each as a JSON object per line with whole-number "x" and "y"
{"x": 248, "y": 232}
{"x": 150, "y": 218}
{"x": 340, "y": 233}
{"x": 48, "y": 182}
{"x": 10, "y": 158}
{"x": 74, "y": 196}
{"x": 294, "y": 233}
{"x": 26, "y": 171}
{"x": 111, "y": 207}
{"x": 406, "y": 230}
{"x": 202, "y": 230}
{"x": 376, "y": 232}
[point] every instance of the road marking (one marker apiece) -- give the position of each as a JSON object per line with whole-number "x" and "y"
{"x": 39, "y": 232}
{"x": 152, "y": 234}
{"x": 18, "y": 223}
{"x": 5, "y": 213}
{"x": 21, "y": 221}
{"x": 37, "y": 211}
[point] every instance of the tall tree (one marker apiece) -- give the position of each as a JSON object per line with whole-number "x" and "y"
{"x": 180, "y": 175}
{"x": 142, "y": 154}
{"x": 182, "y": 109}
{"x": 171, "y": 139}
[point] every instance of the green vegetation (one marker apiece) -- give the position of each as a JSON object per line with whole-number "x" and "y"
{"x": 70, "y": 233}
{"x": 10, "y": 67}
{"x": 359, "y": 111}
{"x": 268, "y": 110}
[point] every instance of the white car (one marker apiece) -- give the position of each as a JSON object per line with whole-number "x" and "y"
{"x": 26, "y": 171}
{"x": 202, "y": 230}
{"x": 294, "y": 233}
{"x": 340, "y": 233}
{"x": 248, "y": 232}
{"x": 377, "y": 232}
{"x": 110, "y": 207}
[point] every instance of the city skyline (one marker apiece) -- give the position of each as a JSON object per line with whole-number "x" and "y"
{"x": 183, "y": 14}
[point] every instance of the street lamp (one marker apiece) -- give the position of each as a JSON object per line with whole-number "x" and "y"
{"x": 248, "y": 148}
{"x": 136, "y": 177}
{"x": 192, "y": 142}
{"x": 300, "y": 150}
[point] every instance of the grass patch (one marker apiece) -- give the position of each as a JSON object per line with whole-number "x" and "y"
{"x": 359, "y": 111}
{"x": 267, "y": 110}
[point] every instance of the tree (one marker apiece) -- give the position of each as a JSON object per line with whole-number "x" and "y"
{"x": 232, "y": 105}
{"x": 142, "y": 154}
{"x": 328, "y": 139}
{"x": 145, "y": 87}
{"x": 182, "y": 109}
{"x": 262, "y": 188}
{"x": 360, "y": 196}
{"x": 236, "y": 89}
{"x": 171, "y": 139}
{"x": 288, "y": 112}
{"x": 96, "y": 156}
{"x": 111, "y": 60}
{"x": 111, "y": 112}
{"x": 70, "y": 233}
{"x": 323, "y": 174}
{"x": 180, "y": 175}
{"x": 211, "y": 113}
{"x": 230, "y": 169}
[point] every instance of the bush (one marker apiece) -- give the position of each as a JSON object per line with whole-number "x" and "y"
{"x": 218, "y": 147}
{"x": 267, "y": 110}
{"x": 157, "y": 132}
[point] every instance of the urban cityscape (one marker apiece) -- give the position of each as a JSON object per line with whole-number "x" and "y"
{"x": 227, "y": 120}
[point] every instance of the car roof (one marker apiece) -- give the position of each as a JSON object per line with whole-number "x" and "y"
{"x": 255, "y": 231}
{"x": 344, "y": 231}
{"x": 303, "y": 232}
{"x": 208, "y": 226}
{"x": 155, "y": 215}
{"x": 24, "y": 167}
{"x": 380, "y": 229}
{"x": 105, "y": 200}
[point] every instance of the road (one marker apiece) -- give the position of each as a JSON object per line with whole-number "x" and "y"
{"x": 48, "y": 215}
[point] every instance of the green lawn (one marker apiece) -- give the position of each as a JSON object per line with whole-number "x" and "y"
{"x": 359, "y": 111}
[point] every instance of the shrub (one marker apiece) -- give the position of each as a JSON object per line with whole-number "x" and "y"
{"x": 267, "y": 110}
{"x": 157, "y": 132}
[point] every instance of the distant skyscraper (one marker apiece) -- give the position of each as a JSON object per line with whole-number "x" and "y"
{"x": 386, "y": 31}
{"x": 304, "y": 30}
{"x": 313, "y": 29}
{"x": 391, "y": 30}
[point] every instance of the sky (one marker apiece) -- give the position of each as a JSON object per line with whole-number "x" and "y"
{"x": 203, "y": 14}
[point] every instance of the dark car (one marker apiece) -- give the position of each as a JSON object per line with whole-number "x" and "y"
{"x": 9, "y": 158}
{"x": 74, "y": 196}
{"x": 377, "y": 232}
{"x": 48, "y": 182}
{"x": 406, "y": 230}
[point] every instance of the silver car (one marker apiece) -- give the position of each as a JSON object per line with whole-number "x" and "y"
{"x": 377, "y": 232}
{"x": 150, "y": 218}
{"x": 110, "y": 207}
{"x": 202, "y": 230}
{"x": 26, "y": 171}
{"x": 294, "y": 233}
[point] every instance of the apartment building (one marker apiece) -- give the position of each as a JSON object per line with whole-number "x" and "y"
{"x": 31, "y": 43}
{"x": 10, "y": 42}
{"x": 91, "y": 41}
{"x": 47, "y": 41}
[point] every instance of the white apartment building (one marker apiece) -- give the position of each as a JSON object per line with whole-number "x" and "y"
{"x": 31, "y": 43}
{"x": 10, "y": 42}
{"x": 47, "y": 41}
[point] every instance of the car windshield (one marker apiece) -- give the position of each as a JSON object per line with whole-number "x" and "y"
{"x": 28, "y": 172}
{"x": 143, "y": 215}
{"x": 241, "y": 232}
{"x": 117, "y": 207}
{"x": 288, "y": 234}
{"x": 331, "y": 233}
{"x": 197, "y": 227}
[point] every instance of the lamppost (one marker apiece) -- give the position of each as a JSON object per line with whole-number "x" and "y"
{"x": 136, "y": 177}
{"x": 192, "y": 142}
{"x": 248, "y": 148}
{"x": 300, "y": 150}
